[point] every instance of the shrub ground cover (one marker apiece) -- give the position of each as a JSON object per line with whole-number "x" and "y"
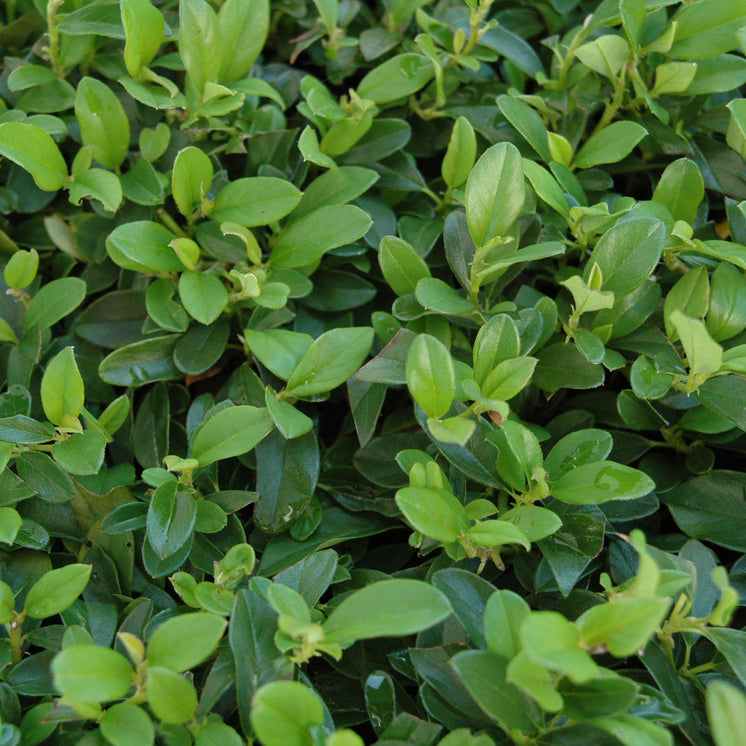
{"x": 372, "y": 372}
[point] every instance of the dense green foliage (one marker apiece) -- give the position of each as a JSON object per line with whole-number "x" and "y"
{"x": 372, "y": 372}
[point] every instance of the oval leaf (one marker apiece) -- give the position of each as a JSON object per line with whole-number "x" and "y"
{"x": 91, "y": 673}
{"x": 259, "y": 200}
{"x": 185, "y": 641}
{"x": 330, "y": 360}
{"x": 599, "y": 482}
{"x": 56, "y": 590}
{"x": 494, "y": 192}
{"x": 62, "y": 391}
{"x": 33, "y": 149}
{"x": 231, "y": 432}
{"x": 627, "y": 254}
{"x": 306, "y": 240}
{"x": 388, "y": 608}
{"x": 104, "y": 126}
{"x": 430, "y": 375}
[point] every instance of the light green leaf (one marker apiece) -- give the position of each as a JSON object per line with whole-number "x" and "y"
{"x": 143, "y": 246}
{"x": 534, "y": 679}
{"x": 279, "y": 350}
{"x": 528, "y": 122}
{"x": 34, "y": 150}
{"x": 495, "y": 533}
{"x": 606, "y": 55}
{"x": 170, "y": 519}
{"x": 681, "y": 189}
{"x": 291, "y": 422}
{"x": 736, "y": 134}
{"x": 622, "y": 625}
{"x": 460, "y": 154}
{"x": 401, "y": 265}
{"x": 231, "y": 432}
{"x": 259, "y": 200}
{"x": 627, "y": 254}
{"x": 553, "y": 641}
{"x": 200, "y": 45}
{"x": 95, "y": 183}
{"x": 104, "y": 126}
{"x": 388, "y": 608}
{"x": 726, "y": 316}
{"x": 184, "y": 641}
{"x": 496, "y": 341}
{"x": 673, "y": 77}
{"x": 243, "y": 27}
{"x": 21, "y": 268}
{"x": 91, "y": 673}
{"x": 504, "y": 614}
{"x": 546, "y": 186}
{"x": 171, "y": 697}
{"x": 56, "y": 590}
{"x": 143, "y": 28}
{"x": 726, "y": 712}
{"x": 433, "y": 513}
{"x": 632, "y": 730}
{"x": 62, "y": 390}
{"x": 484, "y": 674}
{"x": 613, "y": 143}
{"x": 54, "y": 301}
{"x": 704, "y": 355}
{"x": 438, "y": 296}
{"x": 690, "y": 295}
{"x": 601, "y": 481}
{"x": 191, "y": 178}
{"x": 430, "y": 375}
{"x": 396, "y": 78}
{"x": 125, "y": 724}
{"x": 330, "y": 361}
{"x": 508, "y": 378}
{"x": 306, "y": 240}
{"x": 204, "y": 296}
{"x": 81, "y": 453}
{"x": 494, "y": 193}
{"x": 10, "y": 524}
{"x": 7, "y": 600}
{"x": 535, "y": 522}
{"x": 707, "y": 28}
{"x": 456, "y": 430}
{"x": 282, "y": 713}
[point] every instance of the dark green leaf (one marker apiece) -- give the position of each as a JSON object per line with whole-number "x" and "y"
{"x": 170, "y": 520}
{"x": 141, "y": 362}
{"x": 563, "y": 366}
{"x": 711, "y": 508}
{"x": 287, "y": 471}
{"x": 484, "y": 675}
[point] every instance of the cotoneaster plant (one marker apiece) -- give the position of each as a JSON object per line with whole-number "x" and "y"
{"x": 372, "y": 372}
